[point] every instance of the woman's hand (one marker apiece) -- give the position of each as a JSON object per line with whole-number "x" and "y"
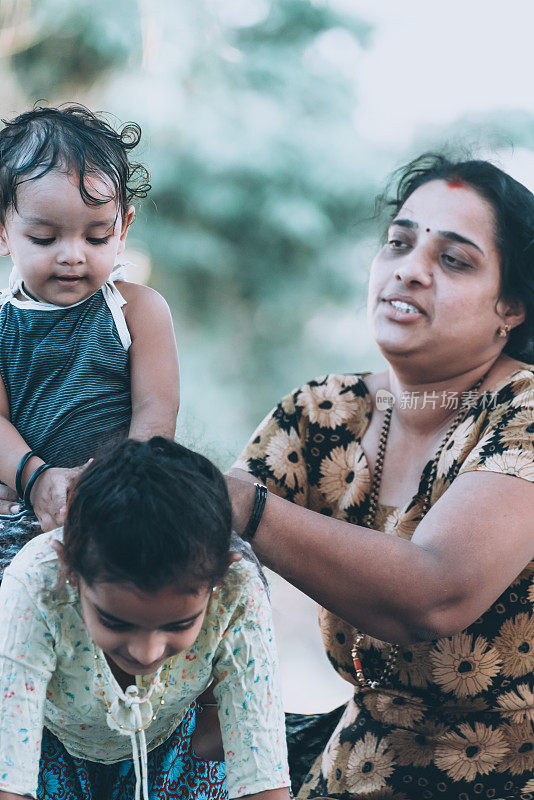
{"x": 49, "y": 495}
{"x": 242, "y": 493}
{"x": 9, "y": 502}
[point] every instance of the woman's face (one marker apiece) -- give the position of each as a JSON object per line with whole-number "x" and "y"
{"x": 434, "y": 287}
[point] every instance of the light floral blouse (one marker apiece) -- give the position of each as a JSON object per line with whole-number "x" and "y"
{"x": 455, "y": 720}
{"x": 48, "y": 677}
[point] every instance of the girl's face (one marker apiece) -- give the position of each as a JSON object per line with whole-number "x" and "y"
{"x": 434, "y": 286}
{"x": 64, "y": 249}
{"x": 139, "y": 630}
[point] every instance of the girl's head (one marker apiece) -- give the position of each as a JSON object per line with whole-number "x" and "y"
{"x": 460, "y": 256}
{"x": 65, "y": 187}
{"x": 146, "y": 537}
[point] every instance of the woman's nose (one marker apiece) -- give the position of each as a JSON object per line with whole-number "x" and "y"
{"x": 147, "y": 649}
{"x": 415, "y": 267}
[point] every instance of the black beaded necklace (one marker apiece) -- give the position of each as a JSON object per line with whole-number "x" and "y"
{"x": 370, "y": 517}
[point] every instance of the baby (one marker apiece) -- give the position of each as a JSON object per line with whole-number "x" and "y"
{"x": 84, "y": 356}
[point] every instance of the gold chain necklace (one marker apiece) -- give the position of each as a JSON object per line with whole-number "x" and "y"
{"x": 369, "y": 520}
{"x": 168, "y": 667}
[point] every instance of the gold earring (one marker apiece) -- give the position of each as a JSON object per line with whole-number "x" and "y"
{"x": 503, "y": 331}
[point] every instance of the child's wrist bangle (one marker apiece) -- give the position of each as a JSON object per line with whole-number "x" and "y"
{"x": 31, "y": 481}
{"x": 20, "y": 469}
{"x": 257, "y": 512}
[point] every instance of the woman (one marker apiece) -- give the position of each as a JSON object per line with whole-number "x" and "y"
{"x": 402, "y": 502}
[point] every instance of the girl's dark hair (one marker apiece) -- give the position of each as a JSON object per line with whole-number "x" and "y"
{"x": 73, "y": 139}
{"x": 151, "y": 514}
{"x": 513, "y": 207}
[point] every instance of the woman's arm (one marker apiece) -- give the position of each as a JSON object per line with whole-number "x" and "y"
{"x": 11, "y": 796}
{"x": 270, "y": 794}
{"x": 155, "y": 380}
{"x": 398, "y": 590}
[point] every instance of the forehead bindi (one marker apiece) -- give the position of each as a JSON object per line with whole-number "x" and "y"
{"x": 433, "y": 208}
{"x": 456, "y": 183}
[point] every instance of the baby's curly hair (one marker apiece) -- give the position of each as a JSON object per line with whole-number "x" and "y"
{"x": 73, "y": 139}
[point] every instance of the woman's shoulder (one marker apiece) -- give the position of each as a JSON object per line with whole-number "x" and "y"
{"x": 330, "y": 400}
{"x": 515, "y": 387}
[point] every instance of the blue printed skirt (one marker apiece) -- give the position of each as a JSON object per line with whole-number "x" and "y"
{"x": 174, "y": 771}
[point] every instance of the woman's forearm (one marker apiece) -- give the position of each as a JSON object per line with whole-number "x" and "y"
{"x": 394, "y": 589}
{"x": 360, "y": 575}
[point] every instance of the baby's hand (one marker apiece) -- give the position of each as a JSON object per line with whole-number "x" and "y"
{"x": 49, "y": 495}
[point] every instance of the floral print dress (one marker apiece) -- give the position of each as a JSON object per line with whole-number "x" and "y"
{"x": 455, "y": 720}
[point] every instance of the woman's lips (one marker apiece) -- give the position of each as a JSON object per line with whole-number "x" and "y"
{"x": 402, "y": 310}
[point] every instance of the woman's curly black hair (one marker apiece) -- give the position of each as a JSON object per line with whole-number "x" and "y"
{"x": 513, "y": 208}
{"x": 73, "y": 139}
{"x": 151, "y": 514}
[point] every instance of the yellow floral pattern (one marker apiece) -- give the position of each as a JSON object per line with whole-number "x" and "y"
{"x": 457, "y": 712}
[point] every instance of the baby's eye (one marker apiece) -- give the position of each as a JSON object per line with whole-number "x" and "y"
{"x": 43, "y": 242}
{"x": 94, "y": 240}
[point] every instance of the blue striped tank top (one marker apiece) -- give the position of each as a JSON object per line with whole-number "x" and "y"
{"x": 66, "y": 374}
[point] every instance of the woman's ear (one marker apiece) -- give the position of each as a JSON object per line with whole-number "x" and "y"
{"x": 512, "y": 312}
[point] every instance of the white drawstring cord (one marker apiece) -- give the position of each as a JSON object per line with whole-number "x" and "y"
{"x": 134, "y": 711}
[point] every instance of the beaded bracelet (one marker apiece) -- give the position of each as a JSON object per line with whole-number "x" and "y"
{"x": 257, "y": 512}
{"x": 20, "y": 469}
{"x": 29, "y": 486}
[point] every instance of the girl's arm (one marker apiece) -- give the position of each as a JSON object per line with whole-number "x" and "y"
{"x": 270, "y": 794}
{"x": 247, "y": 690}
{"x": 27, "y": 662}
{"x": 11, "y": 796}
{"x": 155, "y": 380}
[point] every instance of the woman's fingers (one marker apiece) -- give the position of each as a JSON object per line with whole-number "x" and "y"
{"x": 9, "y": 503}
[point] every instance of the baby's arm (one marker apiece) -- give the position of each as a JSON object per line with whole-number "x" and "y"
{"x": 155, "y": 381}
{"x": 49, "y": 493}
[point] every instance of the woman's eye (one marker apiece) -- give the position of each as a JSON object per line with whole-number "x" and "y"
{"x": 93, "y": 240}
{"x": 454, "y": 263}
{"x": 397, "y": 244}
{"x": 44, "y": 242}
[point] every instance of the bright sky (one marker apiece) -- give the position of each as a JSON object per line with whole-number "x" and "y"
{"x": 434, "y": 62}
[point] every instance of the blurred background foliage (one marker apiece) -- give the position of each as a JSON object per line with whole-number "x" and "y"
{"x": 259, "y": 229}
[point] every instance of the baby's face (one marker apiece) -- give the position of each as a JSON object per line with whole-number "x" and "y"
{"x": 63, "y": 248}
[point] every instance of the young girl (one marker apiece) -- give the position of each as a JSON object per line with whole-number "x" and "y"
{"x": 82, "y": 358}
{"x": 109, "y": 632}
